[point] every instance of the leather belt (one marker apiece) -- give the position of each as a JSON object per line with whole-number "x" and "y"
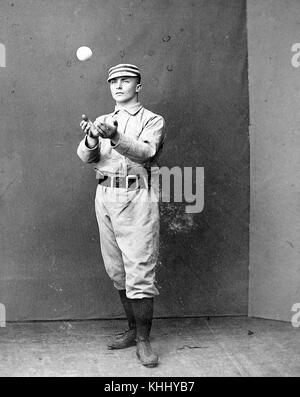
{"x": 130, "y": 182}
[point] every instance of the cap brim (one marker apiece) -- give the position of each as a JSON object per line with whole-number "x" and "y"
{"x": 122, "y": 74}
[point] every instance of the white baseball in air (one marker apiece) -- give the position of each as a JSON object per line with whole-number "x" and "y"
{"x": 84, "y": 53}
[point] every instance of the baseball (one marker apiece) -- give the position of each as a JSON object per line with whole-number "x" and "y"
{"x": 84, "y": 53}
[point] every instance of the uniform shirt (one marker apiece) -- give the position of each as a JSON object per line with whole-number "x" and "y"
{"x": 141, "y": 138}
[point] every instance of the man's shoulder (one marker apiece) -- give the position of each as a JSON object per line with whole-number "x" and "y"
{"x": 150, "y": 115}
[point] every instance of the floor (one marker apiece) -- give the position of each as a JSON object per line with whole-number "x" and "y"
{"x": 200, "y": 347}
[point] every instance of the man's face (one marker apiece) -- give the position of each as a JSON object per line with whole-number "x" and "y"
{"x": 124, "y": 89}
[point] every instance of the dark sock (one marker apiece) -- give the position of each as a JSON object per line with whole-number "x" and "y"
{"x": 127, "y": 304}
{"x": 143, "y": 312}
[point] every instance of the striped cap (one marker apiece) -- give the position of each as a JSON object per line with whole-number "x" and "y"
{"x": 123, "y": 69}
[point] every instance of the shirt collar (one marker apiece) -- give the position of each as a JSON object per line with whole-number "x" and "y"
{"x": 132, "y": 110}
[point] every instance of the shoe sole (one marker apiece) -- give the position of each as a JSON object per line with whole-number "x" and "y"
{"x": 111, "y": 347}
{"x": 150, "y": 365}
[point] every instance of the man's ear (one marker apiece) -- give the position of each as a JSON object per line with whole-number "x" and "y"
{"x": 138, "y": 87}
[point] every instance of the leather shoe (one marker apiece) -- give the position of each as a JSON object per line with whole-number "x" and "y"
{"x": 123, "y": 340}
{"x": 145, "y": 353}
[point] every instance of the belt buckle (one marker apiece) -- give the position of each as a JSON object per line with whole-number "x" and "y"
{"x": 114, "y": 181}
{"x": 132, "y": 177}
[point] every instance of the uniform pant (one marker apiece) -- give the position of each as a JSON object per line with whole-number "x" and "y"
{"x": 128, "y": 223}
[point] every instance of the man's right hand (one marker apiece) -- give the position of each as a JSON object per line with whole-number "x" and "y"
{"x": 88, "y": 127}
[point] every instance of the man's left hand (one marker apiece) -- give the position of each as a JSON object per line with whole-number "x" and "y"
{"x": 108, "y": 128}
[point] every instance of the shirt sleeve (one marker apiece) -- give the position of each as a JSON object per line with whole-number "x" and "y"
{"x": 86, "y": 154}
{"x": 148, "y": 145}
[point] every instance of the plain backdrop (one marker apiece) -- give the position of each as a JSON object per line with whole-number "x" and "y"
{"x": 193, "y": 57}
{"x": 273, "y": 29}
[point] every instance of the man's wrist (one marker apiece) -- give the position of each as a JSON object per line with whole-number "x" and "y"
{"x": 115, "y": 138}
{"x": 91, "y": 142}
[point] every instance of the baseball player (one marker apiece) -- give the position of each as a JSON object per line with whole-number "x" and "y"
{"x": 124, "y": 147}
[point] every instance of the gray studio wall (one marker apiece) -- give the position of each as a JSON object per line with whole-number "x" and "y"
{"x": 274, "y": 80}
{"x": 194, "y": 60}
